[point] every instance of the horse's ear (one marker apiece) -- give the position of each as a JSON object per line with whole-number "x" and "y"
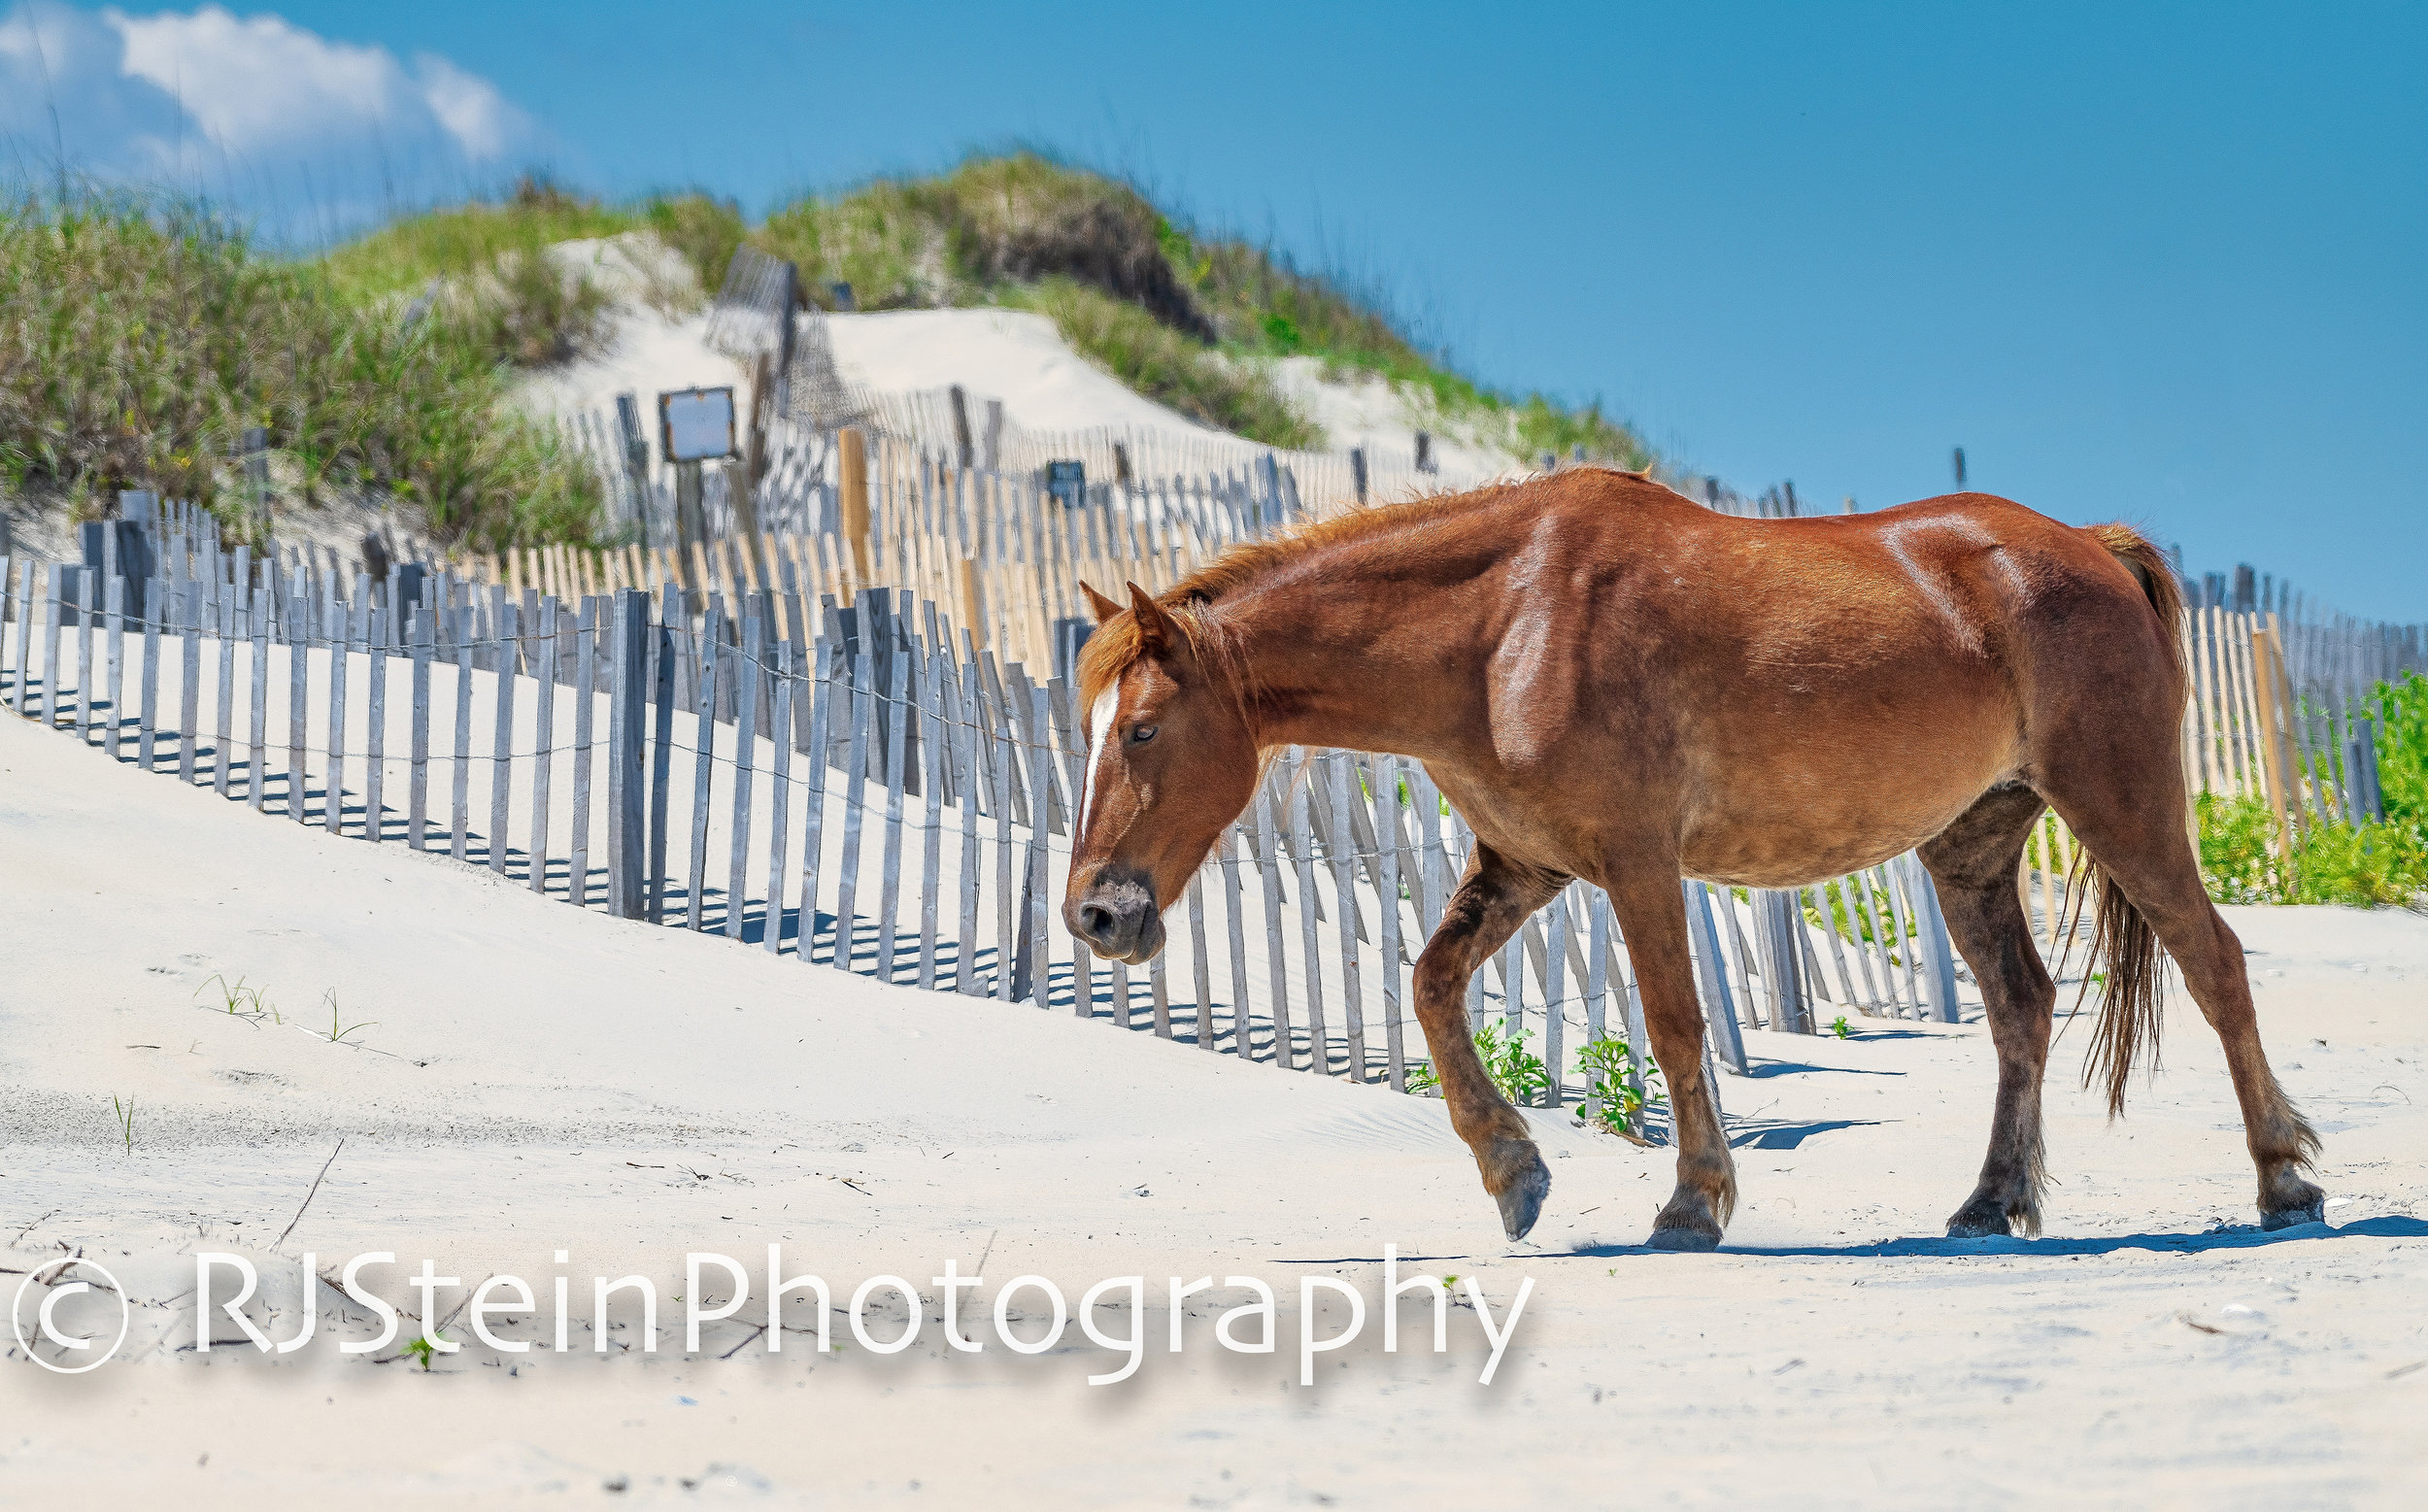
{"x": 1105, "y": 609}
{"x": 1154, "y": 629}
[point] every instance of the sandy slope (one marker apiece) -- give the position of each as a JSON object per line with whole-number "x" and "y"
{"x": 1007, "y": 354}
{"x": 537, "y": 1077}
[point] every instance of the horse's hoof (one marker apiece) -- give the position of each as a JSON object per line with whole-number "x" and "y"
{"x": 1686, "y": 1241}
{"x": 1522, "y": 1200}
{"x": 2298, "y": 1211}
{"x": 1980, "y": 1220}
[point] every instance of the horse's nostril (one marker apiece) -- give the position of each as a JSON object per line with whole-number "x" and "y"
{"x": 1095, "y": 920}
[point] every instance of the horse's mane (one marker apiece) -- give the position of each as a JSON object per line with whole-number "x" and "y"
{"x": 1193, "y": 602}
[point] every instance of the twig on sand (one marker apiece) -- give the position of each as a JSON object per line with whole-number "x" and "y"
{"x": 308, "y": 1195}
{"x": 738, "y": 1348}
{"x": 36, "y": 1224}
{"x": 459, "y": 1306}
{"x": 2190, "y": 1322}
{"x": 989, "y": 1250}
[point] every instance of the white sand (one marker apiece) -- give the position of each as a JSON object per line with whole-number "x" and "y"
{"x": 647, "y": 353}
{"x": 1008, "y": 355}
{"x": 540, "y": 1078}
{"x": 1363, "y": 410}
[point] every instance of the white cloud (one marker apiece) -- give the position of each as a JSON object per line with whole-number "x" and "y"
{"x": 258, "y": 83}
{"x": 206, "y": 92}
{"x": 468, "y": 105}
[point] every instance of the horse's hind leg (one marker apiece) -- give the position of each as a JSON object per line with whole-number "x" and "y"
{"x": 2130, "y": 816}
{"x": 1493, "y": 901}
{"x": 1973, "y": 861}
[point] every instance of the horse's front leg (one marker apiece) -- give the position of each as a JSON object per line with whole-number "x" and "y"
{"x": 1494, "y": 897}
{"x": 1651, "y": 912}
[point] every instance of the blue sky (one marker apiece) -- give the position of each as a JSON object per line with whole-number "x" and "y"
{"x": 2158, "y": 263}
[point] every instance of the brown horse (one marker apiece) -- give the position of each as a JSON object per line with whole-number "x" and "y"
{"x": 1613, "y": 683}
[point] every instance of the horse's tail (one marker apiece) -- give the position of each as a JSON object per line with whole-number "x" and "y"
{"x": 2157, "y": 577}
{"x": 2123, "y": 945}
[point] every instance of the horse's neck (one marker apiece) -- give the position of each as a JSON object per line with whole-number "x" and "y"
{"x": 1330, "y": 665}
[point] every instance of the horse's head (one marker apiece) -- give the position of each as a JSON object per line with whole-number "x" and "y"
{"x": 1171, "y": 761}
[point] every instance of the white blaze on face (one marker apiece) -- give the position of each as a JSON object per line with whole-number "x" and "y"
{"x": 1100, "y": 719}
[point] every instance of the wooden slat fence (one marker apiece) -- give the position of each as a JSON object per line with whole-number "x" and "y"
{"x": 858, "y": 781}
{"x": 883, "y": 797}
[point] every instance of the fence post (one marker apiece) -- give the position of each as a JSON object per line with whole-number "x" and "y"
{"x": 1776, "y": 919}
{"x": 853, "y": 473}
{"x": 627, "y": 833}
{"x": 1939, "y": 954}
{"x": 2283, "y": 794}
{"x": 1718, "y": 1011}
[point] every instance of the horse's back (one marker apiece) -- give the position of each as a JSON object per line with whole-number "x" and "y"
{"x": 1771, "y": 668}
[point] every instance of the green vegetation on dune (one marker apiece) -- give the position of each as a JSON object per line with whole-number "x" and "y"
{"x": 466, "y": 241}
{"x": 139, "y": 341}
{"x": 1154, "y": 359}
{"x": 2367, "y": 865}
{"x": 1012, "y": 231}
{"x": 403, "y": 255}
{"x": 2402, "y": 711}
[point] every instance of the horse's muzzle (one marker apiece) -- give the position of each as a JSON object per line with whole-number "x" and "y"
{"x": 1116, "y": 917}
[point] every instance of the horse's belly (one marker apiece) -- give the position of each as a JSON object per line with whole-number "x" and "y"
{"x": 1804, "y": 814}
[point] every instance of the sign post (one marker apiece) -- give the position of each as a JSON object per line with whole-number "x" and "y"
{"x": 693, "y": 425}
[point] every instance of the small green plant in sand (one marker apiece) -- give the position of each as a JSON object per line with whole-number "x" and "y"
{"x": 126, "y": 1119}
{"x": 337, "y": 1034}
{"x": 1518, "y": 1072}
{"x": 424, "y": 1350}
{"x": 1615, "y": 1102}
{"x": 240, "y": 999}
{"x": 1842, "y": 1029}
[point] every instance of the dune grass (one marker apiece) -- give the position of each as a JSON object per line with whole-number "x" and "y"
{"x": 139, "y": 339}
{"x": 1024, "y": 229}
{"x": 479, "y": 239}
{"x": 2367, "y": 865}
{"x": 403, "y": 255}
{"x": 2402, "y": 711}
{"x": 1168, "y": 367}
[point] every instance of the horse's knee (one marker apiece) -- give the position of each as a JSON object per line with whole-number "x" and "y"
{"x": 1438, "y": 976}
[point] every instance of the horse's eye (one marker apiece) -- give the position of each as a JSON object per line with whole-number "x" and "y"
{"x": 1142, "y": 734}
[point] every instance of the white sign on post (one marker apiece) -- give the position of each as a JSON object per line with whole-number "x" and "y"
{"x": 695, "y": 424}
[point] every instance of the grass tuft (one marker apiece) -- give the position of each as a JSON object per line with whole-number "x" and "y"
{"x": 1153, "y": 360}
